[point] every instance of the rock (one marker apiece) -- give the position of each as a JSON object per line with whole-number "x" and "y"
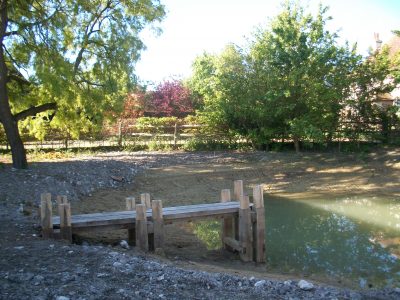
{"x": 62, "y": 298}
{"x": 124, "y": 244}
{"x": 37, "y": 280}
{"x": 159, "y": 252}
{"x": 287, "y": 282}
{"x": 160, "y": 278}
{"x": 117, "y": 178}
{"x": 305, "y": 285}
{"x": 113, "y": 254}
{"x": 259, "y": 283}
{"x": 117, "y": 264}
{"x": 363, "y": 283}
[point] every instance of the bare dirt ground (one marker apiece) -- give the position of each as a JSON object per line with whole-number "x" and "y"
{"x": 31, "y": 268}
{"x": 308, "y": 175}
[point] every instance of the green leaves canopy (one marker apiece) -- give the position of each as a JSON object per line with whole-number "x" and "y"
{"x": 291, "y": 81}
{"x": 77, "y": 54}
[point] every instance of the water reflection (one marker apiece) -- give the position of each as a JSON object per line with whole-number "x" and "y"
{"x": 340, "y": 238}
{"x": 355, "y": 238}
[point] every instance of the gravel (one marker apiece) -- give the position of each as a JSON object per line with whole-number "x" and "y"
{"x": 32, "y": 268}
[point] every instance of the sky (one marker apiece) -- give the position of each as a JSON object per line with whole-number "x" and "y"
{"x": 192, "y": 27}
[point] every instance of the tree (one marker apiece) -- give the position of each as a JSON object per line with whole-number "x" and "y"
{"x": 67, "y": 61}
{"x": 290, "y": 82}
{"x": 306, "y": 74}
{"x": 172, "y": 98}
{"x": 395, "y": 64}
{"x": 223, "y": 82}
{"x": 370, "y": 82}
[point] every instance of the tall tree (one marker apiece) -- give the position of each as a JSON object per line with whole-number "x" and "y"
{"x": 74, "y": 58}
{"x": 291, "y": 81}
{"x": 306, "y": 74}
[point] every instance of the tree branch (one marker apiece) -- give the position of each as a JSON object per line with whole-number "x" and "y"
{"x": 83, "y": 80}
{"x": 24, "y": 26}
{"x": 19, "y": 79}
{"x": 88, "y": 32}
{"x": 34, "y": 110}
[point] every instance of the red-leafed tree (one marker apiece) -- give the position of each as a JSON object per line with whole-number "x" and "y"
{"x": 172, "y": 98}
{"x": 135, "y": 105}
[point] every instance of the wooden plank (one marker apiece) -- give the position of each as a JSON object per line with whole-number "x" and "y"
{"x": 142, "y": 239}
{"x": 158, "y": 223}
{"x": 233, "y": 244}
{"x": 245, "y": 230}
{"x": 61, "y": 200}
{"x": 131, "y": 206}
{"x": 237, "y": 190}
{"x": 259, "y": 225}
{"x": 130, "y": 203}
{"x": 227, "y": 223}
{"x": 46, "y": 219}
{"x": 145, "y": 199}
{"x": 65, "y": 222}
{"x": 170, "y": 214}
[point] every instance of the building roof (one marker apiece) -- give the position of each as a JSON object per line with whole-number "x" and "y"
{"x": 394, "y": 45}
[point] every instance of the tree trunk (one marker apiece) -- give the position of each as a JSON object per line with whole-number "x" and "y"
{"x": 6, "y": 117}
{"x": 296, "y": 144}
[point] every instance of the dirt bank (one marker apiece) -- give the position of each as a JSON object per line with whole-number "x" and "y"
{"x": 35, "y": 269}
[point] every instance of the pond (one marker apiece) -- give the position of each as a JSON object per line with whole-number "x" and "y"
{"x": 354, "y": 239}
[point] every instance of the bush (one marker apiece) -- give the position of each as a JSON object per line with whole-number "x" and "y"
{"x": 157, "y": 125}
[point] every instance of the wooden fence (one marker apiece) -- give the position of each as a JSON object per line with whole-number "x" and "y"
{"x": 177, "y": 135}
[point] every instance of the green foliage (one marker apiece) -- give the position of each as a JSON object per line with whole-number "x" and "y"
{"x": 209, "y": 233}
{"x": 144, "y": 122}
{"x": 77, "y": 54}
{"x": 292, "y": 81}
{"x": 395, "y": 63}
{"x": 158, "y": 144}
{"x": 370, "y": 84}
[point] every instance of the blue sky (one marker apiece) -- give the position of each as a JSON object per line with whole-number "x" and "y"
{"x": 194, "y": 26}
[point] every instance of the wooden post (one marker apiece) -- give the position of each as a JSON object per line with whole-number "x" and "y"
{"x": 227, "y": 222}
{"x": 130, "y": 203}
{"x": 245, "y": 231}
{"x": 65, "y": 221}
{"x": 61, "y": 200}
{"x": 237, "y": 190}
{"x": 175, "y": 134}
{"x": 46, "y": 216}
{"x": 237, "y": 194}
{"x": 131, "y": 206}
{"x": 145, "y": 200}
{"x": 158, "y": 224}
{"x": 142, "y": 239}
{"x": 259, "y": 226}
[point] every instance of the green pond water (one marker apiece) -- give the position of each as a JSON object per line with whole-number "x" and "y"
{"x": 353, "y": 238}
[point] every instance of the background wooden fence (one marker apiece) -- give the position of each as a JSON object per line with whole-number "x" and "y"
{"x": 176, "y": 135}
